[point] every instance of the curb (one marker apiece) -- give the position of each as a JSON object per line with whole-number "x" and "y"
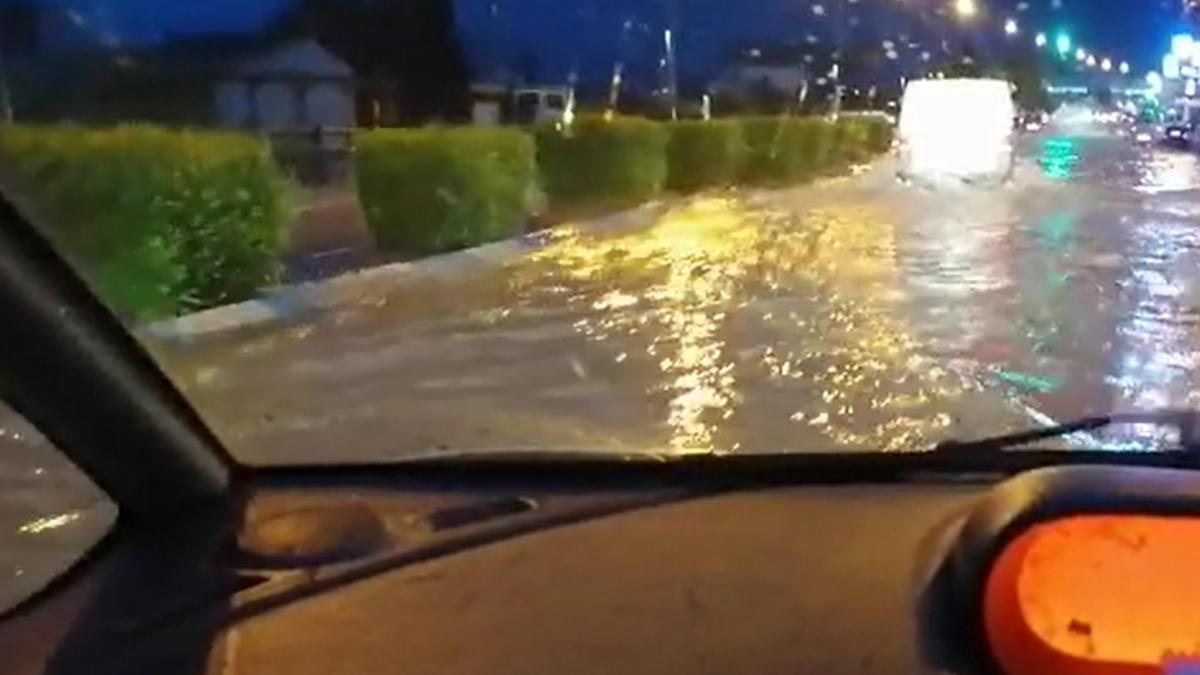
{"x": 290, "y": 303}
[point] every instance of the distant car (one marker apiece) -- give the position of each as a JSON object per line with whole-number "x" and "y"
{"x": 956, "y": 130}
{"x": 1032, "y": 122}
{"x": 1179, "y": 134}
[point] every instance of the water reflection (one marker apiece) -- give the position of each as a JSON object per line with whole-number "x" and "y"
{"x": 1162, "y": 172}
{"x": 690, "y": 261}
{"x": 1157, "y": 351}
{"x": 741, "y": 306}
{"x": 1060, "y": 158}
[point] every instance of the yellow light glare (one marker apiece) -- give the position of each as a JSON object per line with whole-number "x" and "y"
{"x": 966, "y": 9}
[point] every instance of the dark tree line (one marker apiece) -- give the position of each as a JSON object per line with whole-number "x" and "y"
{"x": 411, "y": 44}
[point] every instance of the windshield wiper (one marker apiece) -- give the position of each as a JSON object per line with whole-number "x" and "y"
{"x": 1186, "y": 422}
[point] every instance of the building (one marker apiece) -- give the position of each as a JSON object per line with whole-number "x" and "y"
{"x": 293, "y": 85}
{"x": 778, "y": 72}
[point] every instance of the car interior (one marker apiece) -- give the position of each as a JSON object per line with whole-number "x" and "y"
{"x": 975, "y": 559}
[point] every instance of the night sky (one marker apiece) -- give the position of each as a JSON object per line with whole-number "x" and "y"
{"x": 558, "y": 35}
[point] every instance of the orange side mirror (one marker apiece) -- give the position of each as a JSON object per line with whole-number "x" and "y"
{"x": 1098, "y": 595}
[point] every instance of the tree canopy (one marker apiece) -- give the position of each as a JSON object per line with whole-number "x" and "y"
{"x": 411, "y": 42}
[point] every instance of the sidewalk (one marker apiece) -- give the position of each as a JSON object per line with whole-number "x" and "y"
{"x": 293, "y": 302}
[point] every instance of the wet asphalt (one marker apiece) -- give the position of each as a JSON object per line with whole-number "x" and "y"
{"x": 851, "y": 314}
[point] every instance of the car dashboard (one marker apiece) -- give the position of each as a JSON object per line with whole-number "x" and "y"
{"x": 499, "y": 577}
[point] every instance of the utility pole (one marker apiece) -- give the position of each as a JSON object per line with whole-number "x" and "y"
{"x": 670, "y": 35}
{"x": 839, "y": 41}
{"x": 6, "y": 108}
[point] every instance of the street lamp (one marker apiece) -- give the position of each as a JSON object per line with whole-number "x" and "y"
{"x": 1181, "y": 46}
{"x": 1080, "y": 55}
{"x": 1106, "y": 65}
{"x": 1124, "y": 67}
{"x": 966, "y": 9}
{"x": 1155, "y": 81}
{"x": 1011, "y": 28}
{"x": 1091, "y": 61}
{"x": 1040, "y": 40}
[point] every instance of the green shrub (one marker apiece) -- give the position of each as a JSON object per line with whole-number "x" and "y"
{"x": 439, "y": 188}
{"x": 860, "y": 138}
{"x": 879, "y": 135}
{"x": 160, "y": 222}
{"x": 704, "y": 154}
{"x": 785, "y": 149}
{"x": 602, "y": 163}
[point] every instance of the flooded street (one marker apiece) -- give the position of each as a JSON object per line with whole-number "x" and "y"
{"x": 853, "y": 314}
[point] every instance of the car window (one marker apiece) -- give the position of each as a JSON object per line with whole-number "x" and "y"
{"x": 350, "y": 230}
{"x": 51, "y": 515}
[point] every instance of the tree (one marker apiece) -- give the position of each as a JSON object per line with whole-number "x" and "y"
{"x": 18, "y": 37}
{"x": 1026, "y": 72}
{"x": 412, "y": 43}
{"x": 18, "y": 27}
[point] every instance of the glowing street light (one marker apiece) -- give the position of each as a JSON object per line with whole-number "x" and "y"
{"x": 1040, "y": 40}
{"x": 1171, "y": 67}
{"x": 1011, "y": 28}
{"x": 1063, "y": 44}
{"x": 966, "y": 9}
{"x": 1106, "y": 65}
{"x": 1155, "y": 81}
{"x": 1091, "y": 61}
{"x": 1182, "y": 45}
{"x": 1080, "y": 55}
{"x": 1124, "y": 67}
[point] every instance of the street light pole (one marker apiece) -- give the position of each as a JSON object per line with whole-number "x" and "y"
{"x": 670, "y": 35}
{"x": 6, "y": 108}
{"x": 839, "y": 41}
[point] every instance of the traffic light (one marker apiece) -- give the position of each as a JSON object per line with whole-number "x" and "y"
{"x": 1063, "y": 44}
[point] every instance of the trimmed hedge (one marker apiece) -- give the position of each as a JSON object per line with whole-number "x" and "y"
{"x": 703, "y": 154}
{"x": 602, "y": 163}
{"x": 785, "y": 149}
{"x": 857, "y": 139}
{"x": 440, "y": 188}
{"x": 164, "y": 222}
{"x": 850, "y": 140}
{"x": 879, "y": 136}
{"x": 161, "y": 222}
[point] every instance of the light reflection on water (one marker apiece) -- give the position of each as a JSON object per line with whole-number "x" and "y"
{"x": 1156, "y": 366}
{"x": 1163, "y": 172}
{"x": 1060, "y": 158}
{"x": 700, "y": 290}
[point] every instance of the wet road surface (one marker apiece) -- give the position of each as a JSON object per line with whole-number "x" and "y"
{"x": 852, "y": 314}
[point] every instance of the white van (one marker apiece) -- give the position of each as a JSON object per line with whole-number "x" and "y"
{"x": 537, "y": 105}
{"x": 957, "y": 130}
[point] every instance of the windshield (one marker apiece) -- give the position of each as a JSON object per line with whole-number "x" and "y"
{"x": 373, "y": 230}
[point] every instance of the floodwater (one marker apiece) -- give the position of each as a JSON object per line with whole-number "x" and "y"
{"x": 854, "y": 314}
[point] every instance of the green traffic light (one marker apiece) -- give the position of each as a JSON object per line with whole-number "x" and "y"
{"x": 1063, "y": 43}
